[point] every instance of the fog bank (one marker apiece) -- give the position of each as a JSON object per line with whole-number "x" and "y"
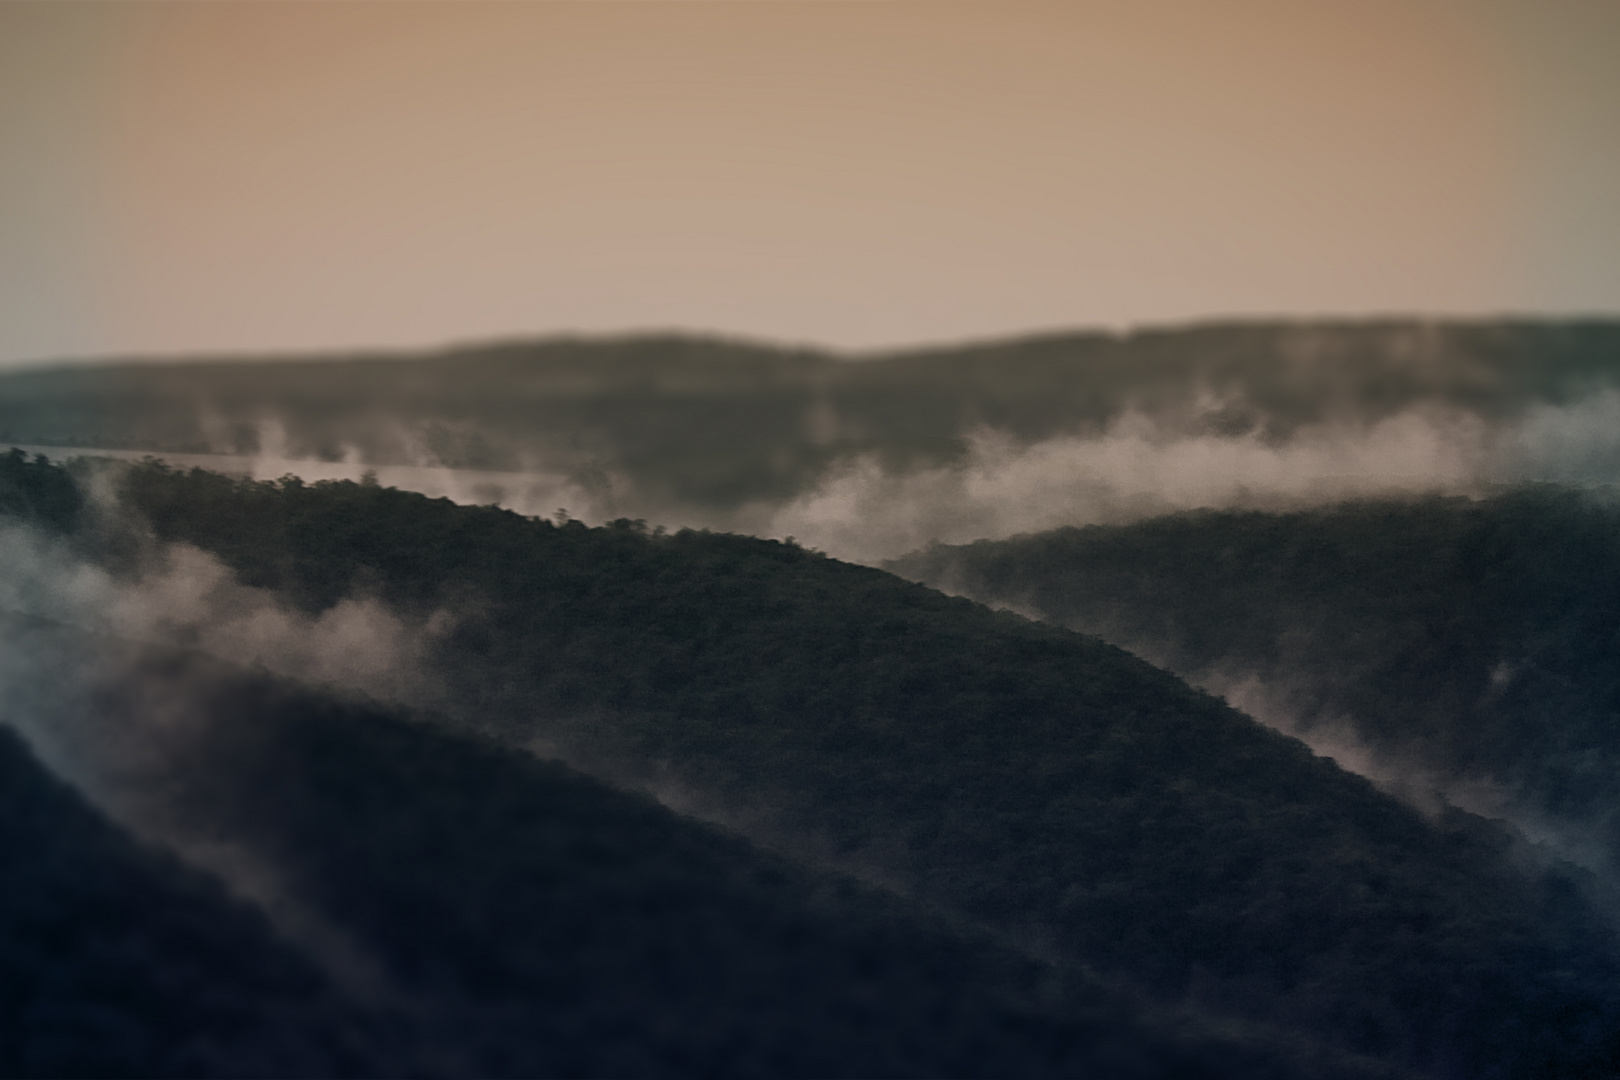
{"x": 865, "y": 509}
{"x": 1140, "y": 468}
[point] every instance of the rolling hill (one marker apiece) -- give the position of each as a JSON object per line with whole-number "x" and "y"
{"x": 118, "y": 959}
{"x": 1465, "y": 645}
{"x": 446, "y": 906}
{"x": 1038, "y": 784}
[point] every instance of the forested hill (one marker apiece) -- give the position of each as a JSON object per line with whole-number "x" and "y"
{"x": 1024, "y": 778}
{"x": 700, "y": 422}
{"x": 117, "y": 960}
{"x": 1468, "y": 640}
{"x": 487, "y": 913}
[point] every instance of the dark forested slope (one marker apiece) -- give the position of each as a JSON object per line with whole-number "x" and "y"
{"x": 1473, "y": 639}
{"x": 498, "y": 915}
{"x": 116, "y": 960}
{"x": 1032, "y": 780}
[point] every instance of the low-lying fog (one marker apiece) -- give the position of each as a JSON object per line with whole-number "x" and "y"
{"x": 861, "y": 509}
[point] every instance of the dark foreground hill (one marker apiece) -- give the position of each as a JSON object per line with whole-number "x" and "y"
{"x": 654, "y": 422}
{"x": 117, "y": 960}
{"x": 1467, "y": 640}
{"x": 485, "y": 913}
{"x": 1029, "y": 780}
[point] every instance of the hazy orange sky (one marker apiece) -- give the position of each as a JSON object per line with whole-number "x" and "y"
{"x": 191, "y": 177}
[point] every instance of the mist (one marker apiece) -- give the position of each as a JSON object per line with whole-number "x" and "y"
{"x": 103, "y": 673}
{"x": 1140, "y": 467}
{"x": 864, "y": 508}
{"x": 1136, "y": 469}
{"x": 1581, "y": 841}
{"x": 177, "y": 595}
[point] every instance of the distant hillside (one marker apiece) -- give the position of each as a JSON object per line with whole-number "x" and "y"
{"x": 1032, "y": 781}
{"x": 1454, "y": 640}
{"x": 652, "y": 425}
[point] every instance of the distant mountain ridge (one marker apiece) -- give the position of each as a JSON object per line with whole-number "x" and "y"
{"x": 642, "y": 422}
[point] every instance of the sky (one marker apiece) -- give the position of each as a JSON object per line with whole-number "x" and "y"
{"x": 195, "y": 178}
